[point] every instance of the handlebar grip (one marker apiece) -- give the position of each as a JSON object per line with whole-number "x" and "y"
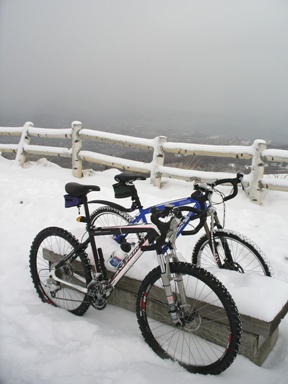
{"x": 193, "y": 231}
{"x": 203, "y": 197}
{"x": 235, "y": 181}
{"x": 199, "y": 214}
{"x": 163, "y": 226}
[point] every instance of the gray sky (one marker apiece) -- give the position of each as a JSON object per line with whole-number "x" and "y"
{"x": 220, "y": 66}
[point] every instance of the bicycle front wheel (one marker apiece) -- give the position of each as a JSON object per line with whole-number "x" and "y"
{"x": 208, "y": 340}
{"x": 48, "y": 248}
{"x": 233, "y": 250}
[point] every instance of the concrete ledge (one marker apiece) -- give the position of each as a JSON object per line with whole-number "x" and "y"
{"x": 259, "y": 337}
{"x": 254, "y": 344}
{"x": 254, "y": 296}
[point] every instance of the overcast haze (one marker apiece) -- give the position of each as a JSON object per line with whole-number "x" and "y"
{"x": 220, "y": 66}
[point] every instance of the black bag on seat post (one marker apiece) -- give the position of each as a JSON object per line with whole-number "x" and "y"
{"x": 123, "y": 190}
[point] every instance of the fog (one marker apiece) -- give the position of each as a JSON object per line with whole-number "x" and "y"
{"x": 217, "y": 67}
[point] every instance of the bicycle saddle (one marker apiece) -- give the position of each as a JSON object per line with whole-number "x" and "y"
{"x": 126, "y": 177}
{"x": 80, "y": 190}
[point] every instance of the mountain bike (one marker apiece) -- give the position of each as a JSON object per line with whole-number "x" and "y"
{"x": 218, "y": 247}
{"x": 184, "y": 313}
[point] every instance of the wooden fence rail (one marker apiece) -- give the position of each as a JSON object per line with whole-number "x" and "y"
{"x": 254, "y": 182}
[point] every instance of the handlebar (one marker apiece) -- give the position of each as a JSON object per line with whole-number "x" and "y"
{"x": 235, "y": 181}
{"x": 163, "y": 226}
{"x": 171, "y": 225}
{"x": 203, "y": 191}
{"x": 169, "y": 210}
{"x": 198, "y": 214}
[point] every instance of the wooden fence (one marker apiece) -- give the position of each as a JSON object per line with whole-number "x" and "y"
{"x": 255, "y": 182}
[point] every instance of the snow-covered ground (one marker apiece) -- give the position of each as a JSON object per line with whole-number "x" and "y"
{"x": 42, "y": 344}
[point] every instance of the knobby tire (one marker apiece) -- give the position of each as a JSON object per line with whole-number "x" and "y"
{"x": 49, "y": 247}
{"x": 210, "y": 339}
{"x": 246, "y": 254}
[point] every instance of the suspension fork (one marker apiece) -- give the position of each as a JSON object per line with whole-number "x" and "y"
{"x": 210, "y": 235}
{"x": 166, "y": 281}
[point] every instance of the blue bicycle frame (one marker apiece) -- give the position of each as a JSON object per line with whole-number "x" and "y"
{"x": 195, "y": 206}
{"x": 143, "y": 212}
{"x": 196, "y": 210}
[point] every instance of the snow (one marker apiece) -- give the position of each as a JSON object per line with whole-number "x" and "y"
{"x": 276, "y": 181}
{"x": 106, "y": 136}
{"x": 60, "y": 151}
{"x": 223, "y": 149}
{"x": 275, "y": 153}
{"x": 13, "y": 131}
{"x": 248, "y": 291}
{"x": 50, "y": 132}
{"x": 43, "y": 344}
{"x": 193, "y": 174}
{"x": 106, "y": 159}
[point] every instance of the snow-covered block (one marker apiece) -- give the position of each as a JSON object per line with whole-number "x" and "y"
{"x": 257, "y": 296}
{"x": 262, "y": 303}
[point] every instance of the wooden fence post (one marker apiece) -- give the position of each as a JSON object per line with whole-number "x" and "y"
{"x": 158, "y": 159}
{"x": 76, "y": 148}
{"x": 25, "y": 139}
{"x": 257, "y": 171}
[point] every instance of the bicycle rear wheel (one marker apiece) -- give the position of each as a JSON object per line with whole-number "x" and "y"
{"x": 108, "y": 217}
{"x": 48, "y": 248}
{"x": 234, "y": 250}
{"x": 208, "y": 340}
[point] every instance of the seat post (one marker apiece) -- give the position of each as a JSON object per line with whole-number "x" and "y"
{"x": 87, "y": 212}
{"x": 136, "y": 198}
{"x": 91, "y": 236}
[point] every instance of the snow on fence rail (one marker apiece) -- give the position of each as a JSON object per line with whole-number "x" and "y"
{"x": 254, "y": 182}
